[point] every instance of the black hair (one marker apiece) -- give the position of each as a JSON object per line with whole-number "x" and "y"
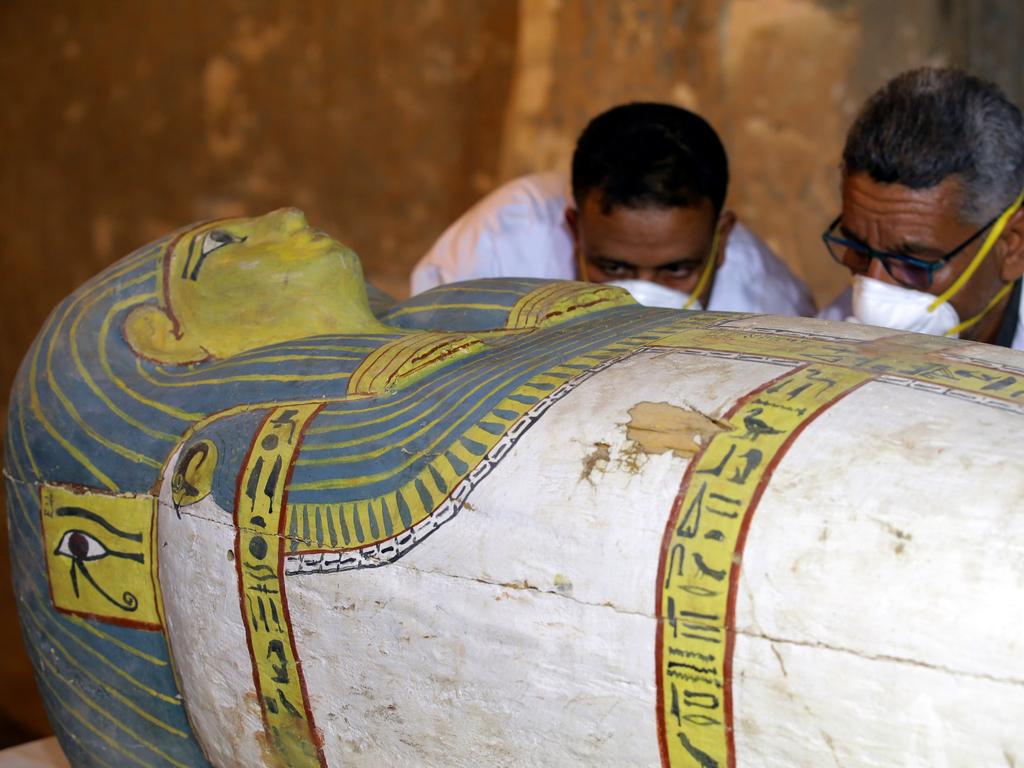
{"x": 645, "y": 154}
{"x": 930, "y": 124}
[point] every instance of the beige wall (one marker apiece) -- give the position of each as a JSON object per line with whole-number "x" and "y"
{"x": 385, "y": 120}
{"x": 123, "y": 120}
{"x": 780, "y": 80}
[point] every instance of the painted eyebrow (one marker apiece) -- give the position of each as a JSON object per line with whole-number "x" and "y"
{"x": 188, "y": 259}
{"x": 93, "y": 517}
{"x": 202, "y": 256}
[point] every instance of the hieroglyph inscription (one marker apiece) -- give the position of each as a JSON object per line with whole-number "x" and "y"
{"x": 701, "y": 556}
{"x": 259, "y": 555}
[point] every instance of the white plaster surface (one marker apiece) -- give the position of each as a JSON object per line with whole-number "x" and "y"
{"x": 896, "y": 555}
{"x": 204, "y": 627}
{"x": 879, "y": 608}
{"x": 541, "y": 517}
{"x": 803, "y": 706}
{"x": 522, "y": 632}
{"x": 885, "y": 566}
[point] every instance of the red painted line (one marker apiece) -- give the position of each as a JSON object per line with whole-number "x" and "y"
{"x": 741, "y": 541}
{"x": 238, "y": 570}
{"x": 314, "y": 731}
{"x": 168, "y": 254}
{"x": 100, "y": 618}
{"x": 166, "y": 287}
{"x": 666, "y": 541}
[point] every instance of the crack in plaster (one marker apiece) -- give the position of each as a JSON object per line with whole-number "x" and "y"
{"x": 13, "y": 479}
{"x": 832, "y": 748}
{"x": 527, "y": 587}
{"x": 882, "y": 657}
{"x": 617, "y": 609}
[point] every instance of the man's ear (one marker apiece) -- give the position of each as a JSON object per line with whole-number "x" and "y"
{"x": 150, "y": 333}
{"x": 726, "y": 221}
{"x": 1012, "y": 245}
{"x": 572, "y": 220}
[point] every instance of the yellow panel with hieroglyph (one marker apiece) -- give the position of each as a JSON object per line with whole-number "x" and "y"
{"x": 98, "y": 553}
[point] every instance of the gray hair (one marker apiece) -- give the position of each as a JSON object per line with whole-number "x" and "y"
{"x": 927, "y": 125}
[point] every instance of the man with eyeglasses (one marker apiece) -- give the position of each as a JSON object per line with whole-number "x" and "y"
{"x": 931, "y": 227}
{"x": 645, "y": 211}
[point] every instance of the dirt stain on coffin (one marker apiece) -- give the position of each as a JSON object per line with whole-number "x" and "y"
{"x": 661, "y": 427}
{"x": 596, "y": 459}
{"x": 902, "y": 537}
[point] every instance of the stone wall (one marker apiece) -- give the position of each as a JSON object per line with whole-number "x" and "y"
{"x": 124, "y": 120}
{"x": 779, "y": 79}
{"x": 385, "y": 121}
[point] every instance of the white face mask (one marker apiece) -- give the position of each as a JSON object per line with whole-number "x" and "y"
{"x": 904, "y": 309}
{"x": 656, "y": 295}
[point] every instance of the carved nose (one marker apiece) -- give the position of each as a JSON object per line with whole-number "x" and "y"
{"x": 289, "y": 219}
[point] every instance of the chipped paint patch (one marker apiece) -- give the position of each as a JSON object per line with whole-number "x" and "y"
{"x": 596, "y": 459}
{"x": 661, "y": 427}
{"x": 563, "y": 586}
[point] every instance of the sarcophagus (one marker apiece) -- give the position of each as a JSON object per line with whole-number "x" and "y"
{"x": 506, "y": 522}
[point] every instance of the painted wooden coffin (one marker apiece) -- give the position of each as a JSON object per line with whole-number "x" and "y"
{"x": 510, "y": 523}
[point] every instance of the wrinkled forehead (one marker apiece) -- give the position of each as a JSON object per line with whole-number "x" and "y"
{"x": 869, "y": 196}
{"x": 888, "y": 214}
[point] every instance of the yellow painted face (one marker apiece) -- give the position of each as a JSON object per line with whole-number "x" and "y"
{"x": 238, "y": 284}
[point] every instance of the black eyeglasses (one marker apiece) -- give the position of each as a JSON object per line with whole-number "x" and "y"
{"x": 908, "y": 271}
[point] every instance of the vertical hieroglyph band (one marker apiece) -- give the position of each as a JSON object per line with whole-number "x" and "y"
{"x": 260, "y": 504}
{"x": 701, "y": 554}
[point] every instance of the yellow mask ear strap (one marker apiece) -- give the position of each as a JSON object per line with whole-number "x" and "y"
{"x": 956, "y": 329}
{"x": 990, "y": 239}
{"x": 709, "y": 267}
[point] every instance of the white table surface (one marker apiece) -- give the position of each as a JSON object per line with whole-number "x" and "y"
{"x": 44, "y": 753}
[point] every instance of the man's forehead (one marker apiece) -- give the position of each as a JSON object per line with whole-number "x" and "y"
{"x": 873, "y": 209}
{"x": 596, "y": 200}
{"x": 648, "y": 237}
{"x": 644, "y": 221}
{"x": 866, "y": 196}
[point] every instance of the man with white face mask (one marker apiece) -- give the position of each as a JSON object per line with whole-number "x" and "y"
{"x": 932, "y": 228}
{"x": 645, "y": 211}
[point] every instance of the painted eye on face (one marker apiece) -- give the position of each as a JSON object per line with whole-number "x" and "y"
{"x": 217, "y": 238}
{"x": 80, "y": 546}
{"x": 211, "y": 241}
